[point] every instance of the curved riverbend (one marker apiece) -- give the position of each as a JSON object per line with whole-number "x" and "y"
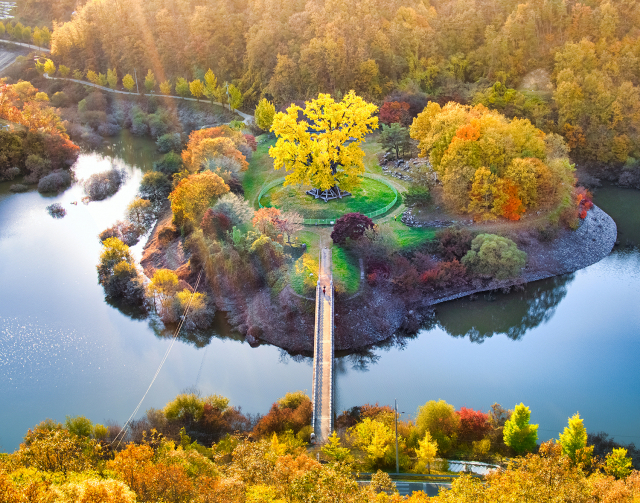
{"x": 564, "y": 344}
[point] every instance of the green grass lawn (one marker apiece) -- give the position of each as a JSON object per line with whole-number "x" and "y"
{"x": 410, "y": 237}
{"x": 346, "y": 270}
{"x": 259, "y": 172}
{"x": 312, "y": 240}
{"x": 369, "y": 196}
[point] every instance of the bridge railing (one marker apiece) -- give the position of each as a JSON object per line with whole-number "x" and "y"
{"x": 331, "y": 221}
{"x": 314, "y": 388}
{"x": 332, "y": 360}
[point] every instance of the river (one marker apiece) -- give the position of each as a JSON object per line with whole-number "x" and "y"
{"x": 562, "y": 345}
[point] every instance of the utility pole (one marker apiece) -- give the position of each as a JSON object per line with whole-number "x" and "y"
{"x": 396, "y": 414}
{"x": 136, "y": 75}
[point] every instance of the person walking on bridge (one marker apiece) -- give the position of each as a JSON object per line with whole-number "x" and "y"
{"x": 324, "y": 290}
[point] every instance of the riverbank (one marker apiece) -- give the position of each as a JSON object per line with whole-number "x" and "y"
{"x": 568, "y": 253}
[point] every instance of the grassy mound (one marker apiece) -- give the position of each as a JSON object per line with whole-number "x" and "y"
{"x": 369, "y": 196}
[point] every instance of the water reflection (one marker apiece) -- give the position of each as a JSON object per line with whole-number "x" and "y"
{"x": 134, "y": 151}
{"x": 512, "y": 314}
{"x": 220, "y": 329}
{"x": 133, "y": 312}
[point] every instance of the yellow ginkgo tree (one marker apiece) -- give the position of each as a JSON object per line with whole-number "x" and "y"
{"x": 320, "y": 144}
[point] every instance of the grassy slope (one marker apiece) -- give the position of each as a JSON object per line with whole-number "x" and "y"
{"x": 410, "y": 237}
{"x": 260, "y": 171}
{"x": 346, "y": 270}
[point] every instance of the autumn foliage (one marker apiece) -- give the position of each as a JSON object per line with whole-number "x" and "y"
{"x": 395, "y": 112}
{"x": 201, "y": 449}
{"x": 529, "y": 171}
{"x": 351, "y": 226}
{"x": 193, "y": 195}
{"x": 474, "y": 424}
{"x": 211, "y": 142}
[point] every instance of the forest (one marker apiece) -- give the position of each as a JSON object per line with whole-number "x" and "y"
{"x": 571, "y": 67}
{"x": 164, "y": 456}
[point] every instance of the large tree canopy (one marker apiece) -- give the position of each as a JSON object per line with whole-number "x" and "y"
{"x": 323, "y": 149}
{"x": 491, "y": 166}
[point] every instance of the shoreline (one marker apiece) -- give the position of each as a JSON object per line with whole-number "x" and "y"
{"x": 569, "y": 252}
{"x": 591, "y": 242}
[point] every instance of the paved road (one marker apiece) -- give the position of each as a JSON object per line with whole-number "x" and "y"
{"x": 430, "y": 488}
{"x": 7, "y": 58}
{"x": 29, "y": 46}
{"x": 323, "y": 351}
{"x": 408, "y": 488}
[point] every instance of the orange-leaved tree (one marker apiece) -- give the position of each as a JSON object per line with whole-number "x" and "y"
{"x": 265, "y": 220}
{"x": 192, "y": 155}
{"x": 492, "y": 166}
{"x": 193, "y": 195}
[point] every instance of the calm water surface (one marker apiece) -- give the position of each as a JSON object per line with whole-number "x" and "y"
{"x": 561, "y": 346}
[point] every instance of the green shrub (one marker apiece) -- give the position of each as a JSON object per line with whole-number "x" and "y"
{"x": 60, "y": 99}
{"x": 170, "y": 164}
{"x": 494, "y": 256}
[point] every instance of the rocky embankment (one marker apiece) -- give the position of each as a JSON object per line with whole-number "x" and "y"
{"x": 569, "y": 252}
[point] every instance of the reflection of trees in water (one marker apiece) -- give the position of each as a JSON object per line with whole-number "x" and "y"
{"x": 359, "y": 361}
{"x": 512, "y": 314}
{"x": 133, "y": 312}
{"x": 139, "y": 152}
{"x": 199, "y": 338}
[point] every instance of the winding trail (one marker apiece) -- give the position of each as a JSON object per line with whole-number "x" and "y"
{"x": 246, "y": 117}
{"x": 21, "y": 44}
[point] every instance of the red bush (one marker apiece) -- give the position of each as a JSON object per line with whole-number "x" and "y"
{"x": 377, "y": 270}
{"x": 215, "y": 224}
{"x": 350, "y": 226}
{"x": 474, "y": 425}
{"x": 251, "y": 141}
{"x": 454, "y": 243}
{"x": 280, "y": 419}
{"x": 395, "y": 112}
{"x": 584, "y": 201}
{"x": 445, "y": 275}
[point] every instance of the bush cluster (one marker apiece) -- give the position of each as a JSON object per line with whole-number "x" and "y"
{"x": 54, "y": 182}
{"x": 99, "y": 186}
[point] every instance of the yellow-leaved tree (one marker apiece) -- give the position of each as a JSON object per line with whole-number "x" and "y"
{"x": 265, "y": 111}
{"x": 374, "y": 438}
{"x": 426, "y": 452}
{"x": 193, "y": 195}
{"x": 323, "y": 149}
{"x": 492, "y": 166}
